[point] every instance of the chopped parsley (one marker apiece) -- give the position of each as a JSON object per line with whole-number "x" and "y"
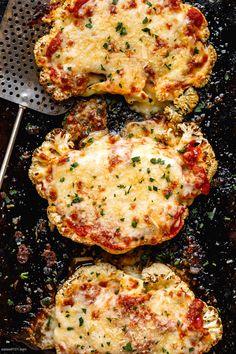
{"x": 24, "y": 275}
{"x": 81, "y": 321}
{"x": 149, "y": 4}
{"x": 102, "y": 68}
{"x": 135, "y": 159}
{"x": 121, "y": 29}
{"x": 157, "y": 161}
{"x": 128, "y": 347}
{"x": 62, "y": 179}
{"x": 73, "y": 165}
{"x": 134, "y": 224}
{"x": 168, "y": 194}
{"x": 89, "y": 24}
{"x": 147, "y": 30}
{"x": 77, "y": 199}
{"x": 168, "y": 66}
{"x": 70, "y": 328}
{"x": 182, "y": 150}
{"x": 145, "y": 20}
{"x": 199, "y": 107}
{"x": 195, "y": 51}
{"x": 127, "y": 45}
{"x": 114, "y": 2}
{"x": 211, "y": 214}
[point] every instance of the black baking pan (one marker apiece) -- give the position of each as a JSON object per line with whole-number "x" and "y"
{"x": 205, "y": 249}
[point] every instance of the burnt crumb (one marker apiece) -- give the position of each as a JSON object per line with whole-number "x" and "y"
{"x": 23, "y": 254}
{"x": 41, "y": 227}
{"x": 50, "y": 256}
{"x": 19, "y": 236}
{"x": 26, "y": 155}
{"x": 32, "y": 129}
{"x": 24, "y": 308}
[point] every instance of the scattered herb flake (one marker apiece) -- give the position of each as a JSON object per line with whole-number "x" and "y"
{"x": 121, "y": 29}
{"x": 128, "y": 347}
{"x": 134, "y": 224}
{"x": 159, "y": 161}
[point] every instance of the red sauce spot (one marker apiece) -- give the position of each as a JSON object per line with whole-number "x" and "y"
{"x": 192, "y": 153}
{"x": 95, "y": 314}
{"x": 132, "y": 206}
{"x": 54, "y": 45}
{"x": 113, "y": 9}
{"x": 70, "y": 42}
{"x": 112, "y": 139}
{"x": 74, "y": 216}
{"x": 53, "y": 74}
{"x": 150, "y": 72}
{"x": 202, "y": 181}
{"x": 79, "y": 186}
{"x": 197, "y": 64}
{"x": 134, "y": 89}
{"x": 113, "y": 161}
{"x": 173, "y": 4}
{"x": 133, "y": 284}
{"x": 81, "y": 82}
{"x": 81, "y": 231}
{"x": 77, "y": 5}
{"x": 62, "y": 160}
{"x": 53, "y": 195}
{"x": 90, "y": 291}
{"x": 195, "y": 17}
{"x": 147, "y": 219}
{"x": 42, "y": 156}
{"x": 128, "y": 301}
{"x": 68, "y": 301}
{"x": 177, "y": 222}
{"x": 103, "y": 284}
{"x": 132, "y": 4}
{"x": 194, "y": 315}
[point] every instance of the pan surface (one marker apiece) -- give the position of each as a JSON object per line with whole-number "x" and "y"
{"x": 35, "y": 260}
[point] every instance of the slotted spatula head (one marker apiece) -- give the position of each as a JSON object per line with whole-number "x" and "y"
{"x": 18, "y": 72}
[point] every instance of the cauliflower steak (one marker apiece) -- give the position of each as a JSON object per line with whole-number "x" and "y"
{"x": 102, "y": 309}
{"x": 127, "y": 190}
{"x": 152, "y": 53}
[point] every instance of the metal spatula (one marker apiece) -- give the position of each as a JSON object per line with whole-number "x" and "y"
{"x": 18, "y": 72}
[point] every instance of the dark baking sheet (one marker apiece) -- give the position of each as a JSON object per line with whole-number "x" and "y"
{"x": 206, "y": 247}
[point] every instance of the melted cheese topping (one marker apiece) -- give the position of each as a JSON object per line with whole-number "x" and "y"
{"x": 150, "y": 52}
{"x": 105, "y": 310}
{"x": 120, "y": 192}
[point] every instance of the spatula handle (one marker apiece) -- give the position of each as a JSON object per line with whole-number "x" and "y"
{"x": 11, "y": 143}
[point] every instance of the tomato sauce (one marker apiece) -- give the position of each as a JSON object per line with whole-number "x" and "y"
{"x": 54, "y": 45}
{"x": 195, "y": 17}
{"x": 194, "y": 315}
